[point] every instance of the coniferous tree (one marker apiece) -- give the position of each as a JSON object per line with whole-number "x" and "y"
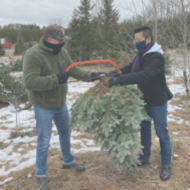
{"x": 20, "y": 47}
{"x": 2, "y": 51}
{"x": 86, "y": 30}
{"x": 74, "y": 45}
{"x": 108, "y": 17}
{"x": 81, "y": 31}
{"x": 113, "y": 117}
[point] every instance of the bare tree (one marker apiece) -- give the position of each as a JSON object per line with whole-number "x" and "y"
{"x": 58, "y": 21}
{"x": 14, "y": 94}
{"x": 179, "y": 12}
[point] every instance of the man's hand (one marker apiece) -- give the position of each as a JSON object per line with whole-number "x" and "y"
{"x": 63, "y": 77}
{"x": 97, "y": 76}
{"x": 114, "y": 81}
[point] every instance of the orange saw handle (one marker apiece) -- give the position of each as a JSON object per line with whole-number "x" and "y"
{"x": 94, "y": 61}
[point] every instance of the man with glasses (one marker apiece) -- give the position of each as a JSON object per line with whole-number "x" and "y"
{"x": 147, "y": 71}
{"x": 46, "y": 82}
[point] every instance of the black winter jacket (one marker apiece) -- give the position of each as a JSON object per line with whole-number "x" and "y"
{"x": 150, "y": 79}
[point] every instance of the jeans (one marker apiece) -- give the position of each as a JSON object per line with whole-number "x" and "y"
{"x": 44, "y": 119}
{"x": 159, "y": 116}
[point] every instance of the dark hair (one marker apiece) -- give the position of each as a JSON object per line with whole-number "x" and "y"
{"x": 147, "y": 31}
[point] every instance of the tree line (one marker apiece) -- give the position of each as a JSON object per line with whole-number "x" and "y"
{"x": 99, "y": 32}
{"x": 29, "y": 32}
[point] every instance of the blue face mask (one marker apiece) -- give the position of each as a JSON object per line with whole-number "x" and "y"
{"x": 140, "y": 45}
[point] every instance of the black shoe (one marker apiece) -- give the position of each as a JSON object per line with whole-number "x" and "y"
{"x": 75, "y": 166}
{"x": 143, "y": 163}
{"x": 165, "y": 173}
{"x": 43, "y": 183}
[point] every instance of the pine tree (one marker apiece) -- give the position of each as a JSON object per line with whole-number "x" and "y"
{"x": 2, "y": 51}
{"x": 81, "y": 32}
{"x": 86, "y": 30}
{"x": 74, "y": 45}
{"x": 108, "y": 17}
{"x": 112, "y": 116}
{"x": 20, "y": 47}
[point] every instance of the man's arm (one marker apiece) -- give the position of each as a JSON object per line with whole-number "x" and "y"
{"x": 31, "y": 76}
{"x": 155, "y": 67}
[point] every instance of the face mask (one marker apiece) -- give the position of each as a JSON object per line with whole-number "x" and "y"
{"x": 140, "y": 45}
{"x": 56, "y": 47}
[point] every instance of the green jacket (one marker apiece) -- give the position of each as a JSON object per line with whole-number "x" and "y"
{"x": 40, "y": 67}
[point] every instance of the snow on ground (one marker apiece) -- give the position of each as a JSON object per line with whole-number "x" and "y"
{"x": 20, "y": 152}
{"x": 24, "y": 155}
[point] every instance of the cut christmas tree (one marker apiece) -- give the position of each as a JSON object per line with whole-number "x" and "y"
{"x": 112, "y": 116}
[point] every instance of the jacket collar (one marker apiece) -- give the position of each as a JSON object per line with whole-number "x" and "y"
{"x": 42, "y": 46}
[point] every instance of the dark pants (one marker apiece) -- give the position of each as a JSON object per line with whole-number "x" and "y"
{"x": 159, "y": 116}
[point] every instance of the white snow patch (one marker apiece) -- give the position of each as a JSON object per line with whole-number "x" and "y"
{"x": 6, "y": 180}
{"x": 157, "y": 139}
{"x": 29, "y": 175}
{"x": 26, "y": 123}
{"x": 176, "y": 133}
{"x": 180, "y": 121}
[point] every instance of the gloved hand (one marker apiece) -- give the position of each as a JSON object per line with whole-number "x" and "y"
{"x": 63, "y": 77}
{"x": 96, "y": 76}
{"x": 114, "y": 81}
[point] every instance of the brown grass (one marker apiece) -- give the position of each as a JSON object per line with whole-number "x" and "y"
{"x": 15, "y": 134}
{"x": 3, "y": 145}
{"x": 101, "y": 174}
{"x": 4, "y": 117}
{"x": 83, "y": 136}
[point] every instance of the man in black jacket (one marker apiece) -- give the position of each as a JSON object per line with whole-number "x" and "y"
{"x": 147, "y": 71}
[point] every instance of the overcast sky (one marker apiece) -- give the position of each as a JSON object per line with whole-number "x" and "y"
{"x": 41, "y": 12}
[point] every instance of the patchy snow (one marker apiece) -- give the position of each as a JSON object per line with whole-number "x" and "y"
{"x": 25, "y": 154}
{"x": 176, "y": 133}
{"x": 6, "y": 180}
{"x": 157, "y": 139}
{"x": 29, "y": 175}
{"x": 180, "y": 121}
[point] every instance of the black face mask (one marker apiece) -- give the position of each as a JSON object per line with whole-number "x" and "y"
{"x": 56, "y": 47}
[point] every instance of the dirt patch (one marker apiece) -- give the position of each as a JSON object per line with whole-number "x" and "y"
{"x": 101, "y": 175}
{"x": 4, "y": 117}
{"x": 76, "y": 146}
{"x": 83, "y": 136}
{"x": 3, "y": 145}
{"x": 15, "y": 134}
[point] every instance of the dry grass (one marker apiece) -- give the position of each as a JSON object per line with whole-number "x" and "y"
{"x": 15, "y": 134}
{"x": 83, "y": 136}
{"x": 3, "y": 145}
{"x": 101, "y": 175}
{"x": 4, "y": 117}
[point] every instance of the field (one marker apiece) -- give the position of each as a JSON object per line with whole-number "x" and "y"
{"x": 17, "y": 150}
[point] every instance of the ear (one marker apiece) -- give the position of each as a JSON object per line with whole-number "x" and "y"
{"x": 148, "y": 40}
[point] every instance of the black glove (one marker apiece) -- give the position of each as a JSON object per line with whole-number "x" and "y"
{"x": 114, "y": 81}
{"x": 96, "y": 76}
{"x": 112, "y": 74}
{"x": 63, "y": 77}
